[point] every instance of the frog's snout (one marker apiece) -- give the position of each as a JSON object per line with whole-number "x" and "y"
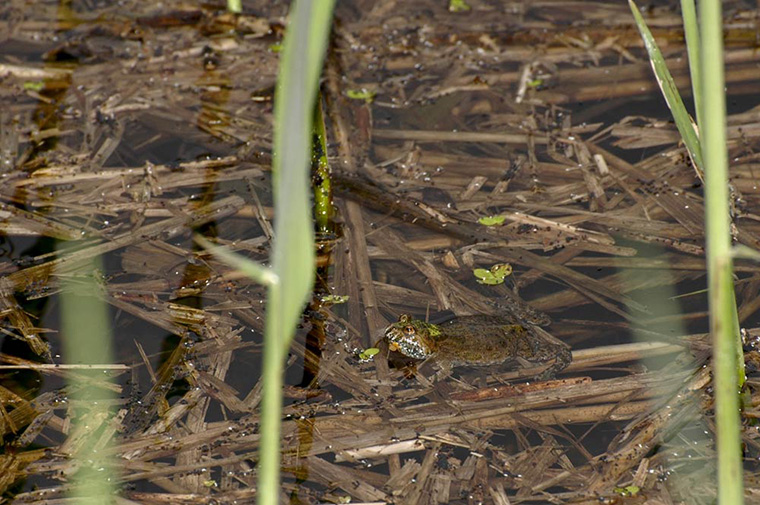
{"x": 405, "y": 341}
{"x": 392, "y": 337}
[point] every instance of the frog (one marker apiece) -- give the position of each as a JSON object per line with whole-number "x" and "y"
{"x": 479, "y": 341}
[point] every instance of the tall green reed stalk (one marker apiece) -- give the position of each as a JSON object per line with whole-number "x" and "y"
{"x": 293, "y": 250}
{"x": 723, "y": 319}
{"x": 86, "y": 326}
{"x": 711, "y": 157}
{"x": 291, "y": 275}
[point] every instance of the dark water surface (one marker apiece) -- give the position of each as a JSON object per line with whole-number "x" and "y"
{"x": 128, "y": 127}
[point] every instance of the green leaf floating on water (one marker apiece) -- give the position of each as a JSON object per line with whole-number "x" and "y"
{"x": 367, "y": 354}
{"x": 334, "y": 299}
{"x": 458, "y": 6}
{"x": 627, "y": 491}
{"x": 492, "y": 220}
{"x": 495, "y": 275}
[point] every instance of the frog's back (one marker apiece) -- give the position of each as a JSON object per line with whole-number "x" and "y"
{"x": 486, "y": 340}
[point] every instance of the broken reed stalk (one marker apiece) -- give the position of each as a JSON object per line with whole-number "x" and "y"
{"x": 729, "y": 374}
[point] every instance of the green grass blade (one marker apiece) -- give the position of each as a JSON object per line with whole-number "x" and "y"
{"x": 723, "y": 325}
{"x": 669, "y": 90}
{"x": 255, "y": 271}
{"x": 293, "y": 250}
{"x": 743, "y": 252}
{"x": 691, "y": 32}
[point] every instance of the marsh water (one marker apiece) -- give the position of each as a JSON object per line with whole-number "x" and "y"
{"x": 512, "y": 133}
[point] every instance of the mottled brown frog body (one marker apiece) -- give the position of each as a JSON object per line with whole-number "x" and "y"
{"x": 478, "y": 341}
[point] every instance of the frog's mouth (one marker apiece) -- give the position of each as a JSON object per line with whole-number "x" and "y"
{"x": 408, "y": 345}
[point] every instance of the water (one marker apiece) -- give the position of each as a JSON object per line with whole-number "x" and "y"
{"x": 131, "y": 130}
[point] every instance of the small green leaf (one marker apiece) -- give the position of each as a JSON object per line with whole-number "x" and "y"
{"x": 334, "y": 299}
{"x": 492, "y": 220}
{"x": 494, "y": 276}
{"x": 458, "y": 6}
{"x": 627, "y": 491}
{"x": 275, "y": 48}
{"x": 367, "y": 354}
{"x": 535, "y": 83}
{"x": 34, "y": 85}
{"x": 491, "y": 281}
{"x": 486, "y": 277}
{"x": 482, "y": 273}
{"x": 361, "y": 94}
{"x": 501, "y": 270}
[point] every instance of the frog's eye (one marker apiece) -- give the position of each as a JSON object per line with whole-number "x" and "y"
{"x": 409, "y": 329}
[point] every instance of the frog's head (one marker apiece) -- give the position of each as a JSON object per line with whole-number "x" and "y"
{"x": 411, "y": 337}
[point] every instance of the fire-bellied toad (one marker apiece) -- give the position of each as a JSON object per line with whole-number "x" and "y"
{"x": 478, "y": 341}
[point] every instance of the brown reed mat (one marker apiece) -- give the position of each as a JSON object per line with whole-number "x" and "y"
{"x": 125, "y": 129}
